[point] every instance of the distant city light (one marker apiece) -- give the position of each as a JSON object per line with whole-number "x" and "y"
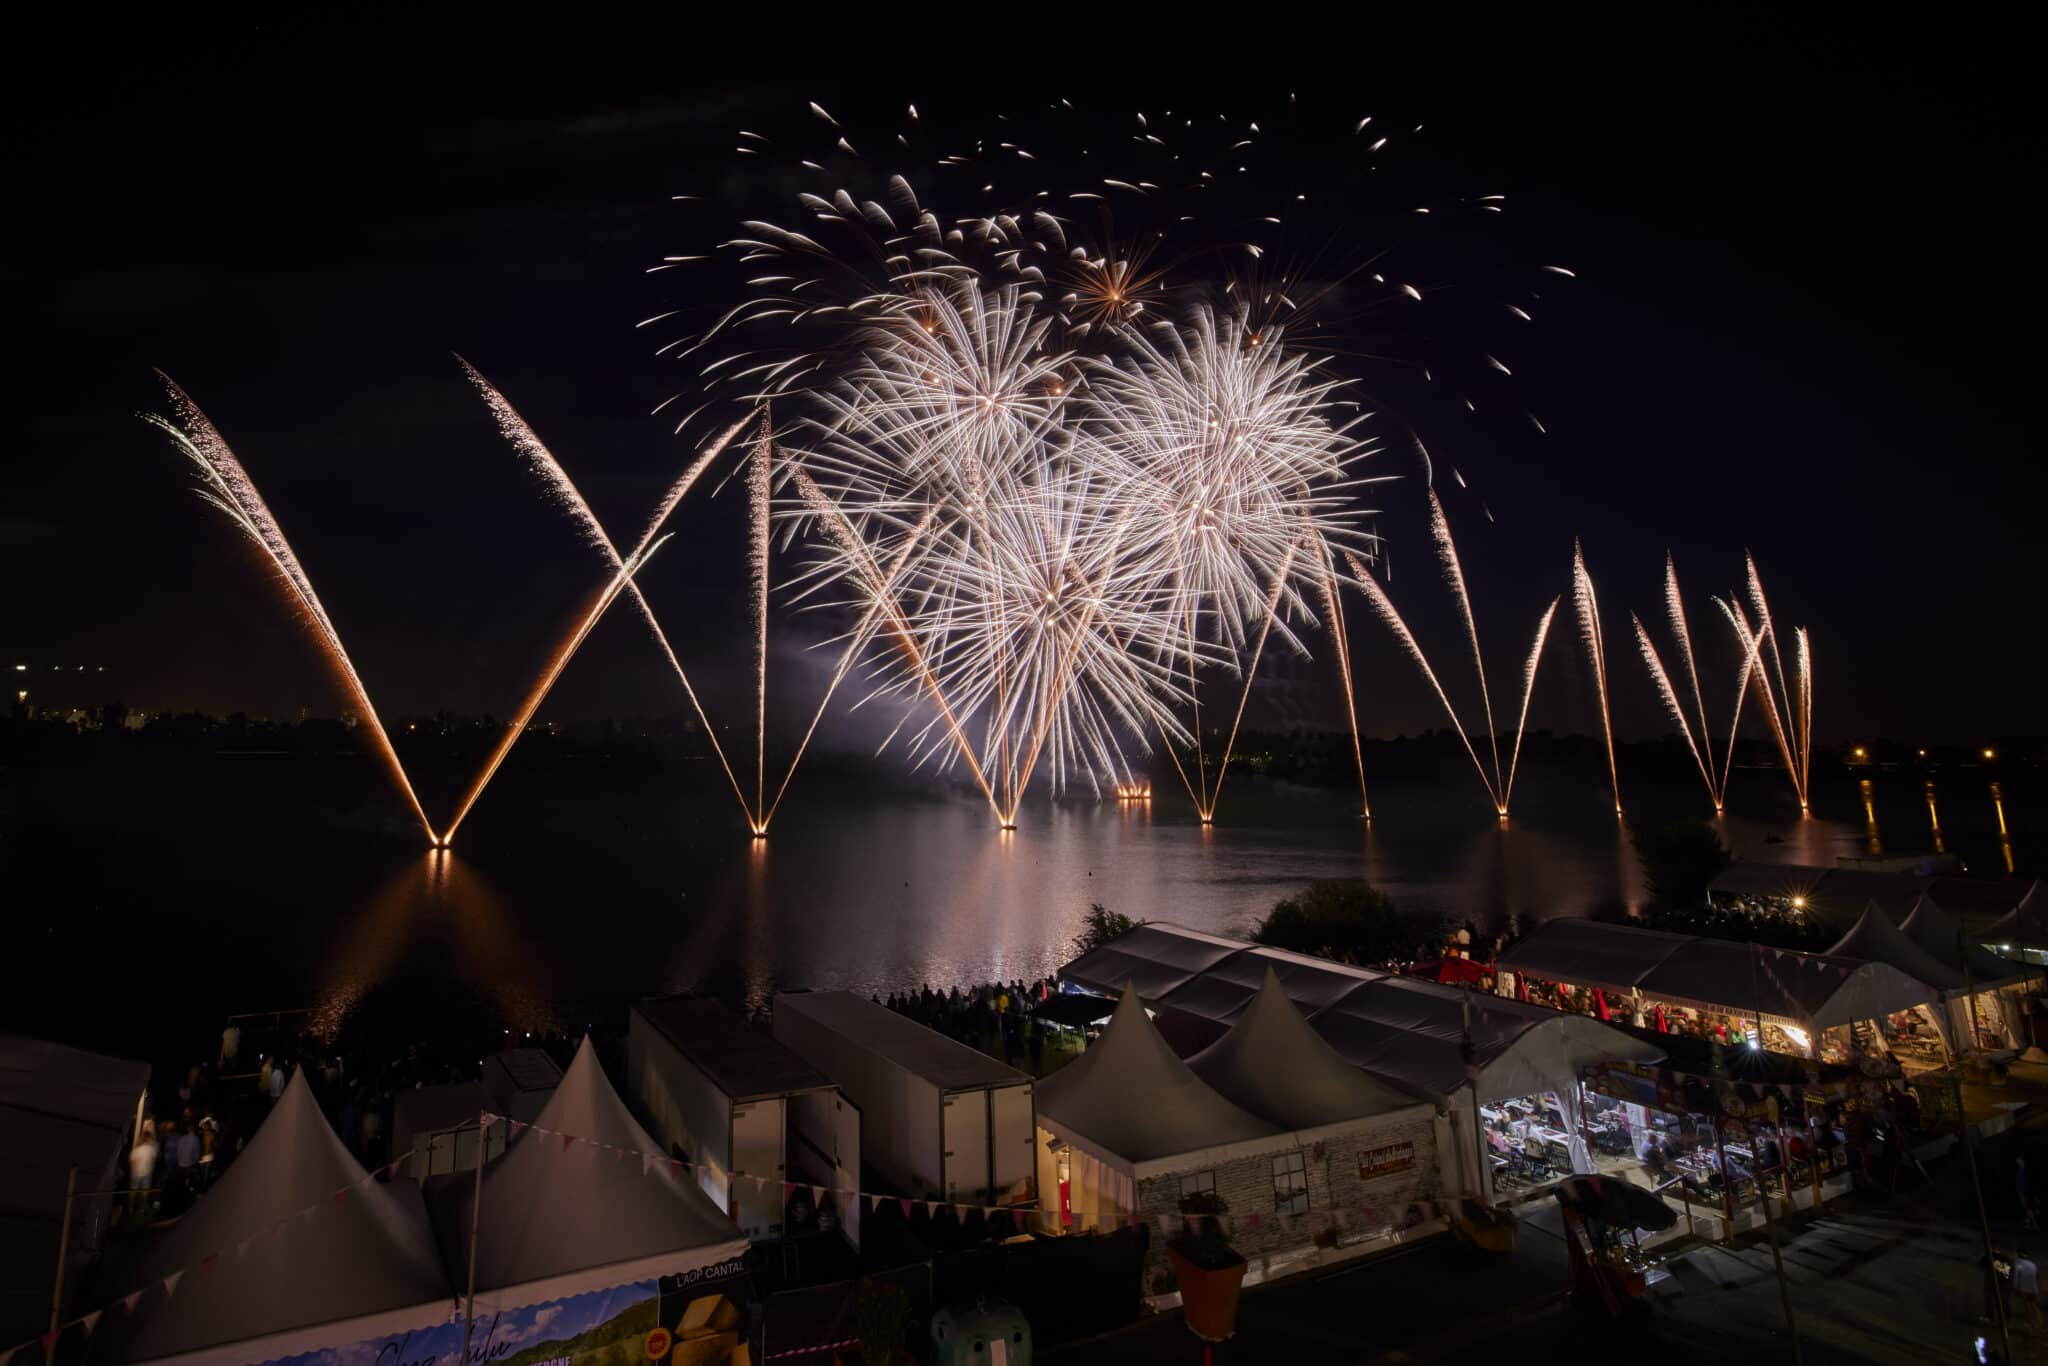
{"x": 1863, "y": 753}
{"x": 1991, "y": 754}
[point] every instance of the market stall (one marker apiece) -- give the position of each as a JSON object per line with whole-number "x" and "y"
{"x": 1460, "y": 1048}
{"x": 1268, "y": 1128}
{"x": 582, "y": 1201}
{"x": 2000, "y": 984}
{"x": 295, "y": 1250}
{"x": 1966, "y": 1015}
{"x": 1773, "y": 999}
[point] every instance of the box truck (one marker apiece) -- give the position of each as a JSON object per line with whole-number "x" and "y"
{"x": 939, "y": 1120}
{"x": 732, "y": 1100}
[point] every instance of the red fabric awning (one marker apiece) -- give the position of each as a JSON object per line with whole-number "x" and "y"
{"x": 1456, "y": 971}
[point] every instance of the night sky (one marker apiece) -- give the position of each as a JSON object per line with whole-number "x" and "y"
{"x": 1806, "y": 274}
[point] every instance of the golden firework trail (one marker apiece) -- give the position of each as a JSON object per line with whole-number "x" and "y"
{"x": 758, "y": 473}
{"x": 1788, "y": 710}
{"x": 546, "y": 682}
{"x": 1701, "y": 742}
{"x": 1587, "y": 603}
{"x": 1454, "y": 574}
{"x": 1499, "y": 783}
{"x": 1528, "y": 691}
{"x": 228, "y": 487}
{"x": 1377, "y": 597}
{"x": 565, "y": 493}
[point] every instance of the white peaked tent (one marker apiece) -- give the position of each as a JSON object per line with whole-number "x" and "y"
{"x": 2023, "y": 930}
{"x": 562, "y": 1218}
{"x": 1874, "y": 937}
{"x": 1130, "y": 1109}
{"x": 318, "y": 1270}
{"x": 1273, "y": 1064}
{"x": 1938, "y": 935}
{"x": 1941, "y": 937}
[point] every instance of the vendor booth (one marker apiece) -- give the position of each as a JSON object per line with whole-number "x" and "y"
{"x": 583, "y": 1200}
{"x": 2000, "y": 1007}
{"x": 1801, "y": 1003}
{"x": 294, "y": 1251}
{"x": 1459, "y": 1048}
{"x": 1970, "y": 1011}
{"x": 1328, "y": 1155}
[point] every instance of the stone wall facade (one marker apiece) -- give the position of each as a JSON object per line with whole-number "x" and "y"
{"x": 1359, "y": 1182}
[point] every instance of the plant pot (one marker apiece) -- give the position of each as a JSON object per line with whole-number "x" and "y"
{"x": 1208, "y": 1297}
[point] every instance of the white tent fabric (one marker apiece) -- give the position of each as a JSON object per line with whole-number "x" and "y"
{"x": 1273, "y": 1064}
{"x": 559, "y": 1219}
{"x": 1813, "y": 990}
{"x": 60, "y": 1108}
{"x": 1154, "y": 958}
{"x": 1134, "y": 1105}
{"x": 1874, "y": 937}
{"x": 2023, "y": 928}
{"x": 1940, "y": 936}
{"x": 362, "y": 1265}
{"x": 1404, "y": 1030}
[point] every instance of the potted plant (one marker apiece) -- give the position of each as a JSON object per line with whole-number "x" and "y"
{"x": 1209, "y": 1269}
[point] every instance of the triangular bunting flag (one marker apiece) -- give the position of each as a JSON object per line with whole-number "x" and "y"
{"x": 619, "y": 1153}
{"x": 788, "y": 1190}
{"x": 488, "y": 1119}
{"x": 817, "y": 1195}
{"x": 514, "y": 1128}
{"x": 48, "y": 1340}
{"x": 646, "y": 1163}
{"x": 92, "y": 1321}
{"x": 906, "y": 1208}
{"x": 567, "y": 1139}
{"x": 931, "y": 1209}
{"x": 171, "y": 1283}
{"x": 209, "y": 1261}
{"x": 675, "y": 1168}
{"x": 397, "y": 1163}
{"x": 341, "y": 1197}
{"x": 242, "y": 1248}
{"x": 129, "y": 1302}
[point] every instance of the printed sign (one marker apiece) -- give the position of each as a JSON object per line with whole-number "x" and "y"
{"x": 1389, "y": 1160}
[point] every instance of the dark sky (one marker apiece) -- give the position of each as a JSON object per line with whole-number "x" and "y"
{"x": 1806, "y": 260}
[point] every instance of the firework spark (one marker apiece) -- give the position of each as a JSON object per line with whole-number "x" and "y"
{"x": 228, "y": 487}
{"x": 1499, "y": 783}
{"x": 566, "y": 495}
{"x": 1787, "y": 710}
{"x": 1587, "y": 603}
{"x": 546, "y": 682}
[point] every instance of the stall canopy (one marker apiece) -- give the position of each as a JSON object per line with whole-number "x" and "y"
{"x": 1875, "y": 937}
{"x": 1815, "y": 990}
{"x": 1154, "y": 958}
{"x": 1428, "y": 1038}
{"x": 1135, "y": 1106}
{"x": 2024, "y": 927}
{"x": 60, "y": 1108}
{"x": 1941, "y": 938}
{"x": 1273, "y": 1064}
{"x": 562, "y": 1218}
{"x": 277, "y": 1263}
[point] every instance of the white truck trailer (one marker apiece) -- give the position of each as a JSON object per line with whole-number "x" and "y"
{"x": 737, "y": 1103}
{"x": 939, "y": 1120}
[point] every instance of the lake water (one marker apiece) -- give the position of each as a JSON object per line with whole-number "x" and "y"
{"x": 149, "y": 899}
